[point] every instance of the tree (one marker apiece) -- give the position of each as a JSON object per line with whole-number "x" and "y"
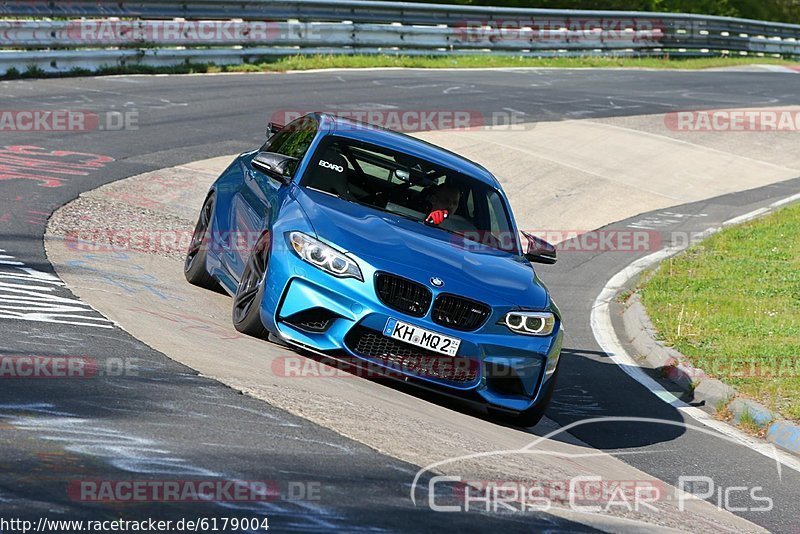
{"x": 774, "y": 10}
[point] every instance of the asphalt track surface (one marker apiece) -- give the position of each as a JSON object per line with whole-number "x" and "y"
{"x": 168, "y": 422}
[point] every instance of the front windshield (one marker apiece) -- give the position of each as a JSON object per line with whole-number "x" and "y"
{"x": 411, "y": 187}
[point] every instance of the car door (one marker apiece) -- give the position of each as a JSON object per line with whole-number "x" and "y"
{"x": 254, "y": 205}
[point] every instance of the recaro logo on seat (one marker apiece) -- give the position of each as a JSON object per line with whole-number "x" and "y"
{"x": 337, "y": 168}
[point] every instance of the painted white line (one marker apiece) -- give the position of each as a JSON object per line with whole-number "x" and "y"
{"x": 789, "y": 200}
{"x": 606, "y": 337}
{"x": 746, "y": 217}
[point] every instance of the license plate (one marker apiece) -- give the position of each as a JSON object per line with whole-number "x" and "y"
{"x": 421, "y": 338}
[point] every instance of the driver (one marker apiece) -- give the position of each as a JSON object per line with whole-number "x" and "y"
{"x": 443, "y": 201}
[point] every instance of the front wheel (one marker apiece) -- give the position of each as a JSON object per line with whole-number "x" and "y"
{"x": 531, "y": 417}
{"x": 247, "y": 301}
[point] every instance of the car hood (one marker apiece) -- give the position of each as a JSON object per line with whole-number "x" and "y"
{"x": 413, "y": 250}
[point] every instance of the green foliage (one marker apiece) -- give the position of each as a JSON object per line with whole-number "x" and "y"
{"x": 33, "y": 71}
{"x": 79, "y": 71}
{"x": 272, "y": 64}
{"x": 775, "y": 10}
{"x": 732, "y": 305}
{"x": 302, "y": 62}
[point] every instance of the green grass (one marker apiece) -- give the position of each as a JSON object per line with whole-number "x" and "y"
{"x": 371, "y": 61}
{"x": 732, "y": 305}
{"x": 748, "y": 422}
{"x": 340, "y": 61}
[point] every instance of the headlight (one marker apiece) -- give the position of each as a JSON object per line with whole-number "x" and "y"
{"x": 323, "y": 257}
{"x": 530, "y": 323}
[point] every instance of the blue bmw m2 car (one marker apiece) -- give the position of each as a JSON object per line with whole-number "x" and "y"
{"x": 366, "y": 245}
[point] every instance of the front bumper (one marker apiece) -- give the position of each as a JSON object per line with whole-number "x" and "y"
{"x": 345, "y": 317}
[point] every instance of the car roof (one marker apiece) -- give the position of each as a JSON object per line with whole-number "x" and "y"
{"x": 368, "y": 133}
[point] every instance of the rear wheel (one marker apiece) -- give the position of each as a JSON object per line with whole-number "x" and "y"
{"x": 194, "y": 267}
{"x": 532, "y": 416}
{"x": 246, "y": 313}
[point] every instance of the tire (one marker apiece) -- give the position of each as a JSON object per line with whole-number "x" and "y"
{"x": 194, "y": 267}
{"x": 246, "y": 314}
{"x": 531, "y": 417}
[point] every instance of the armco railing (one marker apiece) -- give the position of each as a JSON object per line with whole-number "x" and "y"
{"x": 60, "y": 35}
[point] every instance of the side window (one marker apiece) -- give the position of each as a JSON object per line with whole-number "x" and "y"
{"x": 499, "y": 224}
{"x": 294, "y": 140}
{"x": 470, "y": 204}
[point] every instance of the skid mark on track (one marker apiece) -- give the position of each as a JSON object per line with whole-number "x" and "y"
{"x": 575, "y": 401}
{"x": 188, "y": 322}
{"x": 663, "y": 219}
{"x": 48, "y": 167}
{"x": 134, "y": 280}
{"x": 142, "y": 456}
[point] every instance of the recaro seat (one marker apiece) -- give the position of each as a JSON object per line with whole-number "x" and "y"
{"x": 328, "y": 178}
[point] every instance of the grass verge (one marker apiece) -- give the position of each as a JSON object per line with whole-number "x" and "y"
{"x": 322, "y": 62}
{"x": 731, "y": 304}
{"x": 372, "y": 61}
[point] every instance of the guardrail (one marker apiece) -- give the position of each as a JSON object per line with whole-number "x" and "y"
{"x": 92, "y": 33}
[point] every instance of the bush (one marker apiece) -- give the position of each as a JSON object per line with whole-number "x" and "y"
{"x": 775, "y": 10}
{"x": 12, "y": 74}
{"x": 33, "y": 71}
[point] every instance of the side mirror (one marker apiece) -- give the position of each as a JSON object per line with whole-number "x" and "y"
{"x": 275, "y": 165}
{"x": 539, "y": 250}
{"x": 273, "y": 128}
